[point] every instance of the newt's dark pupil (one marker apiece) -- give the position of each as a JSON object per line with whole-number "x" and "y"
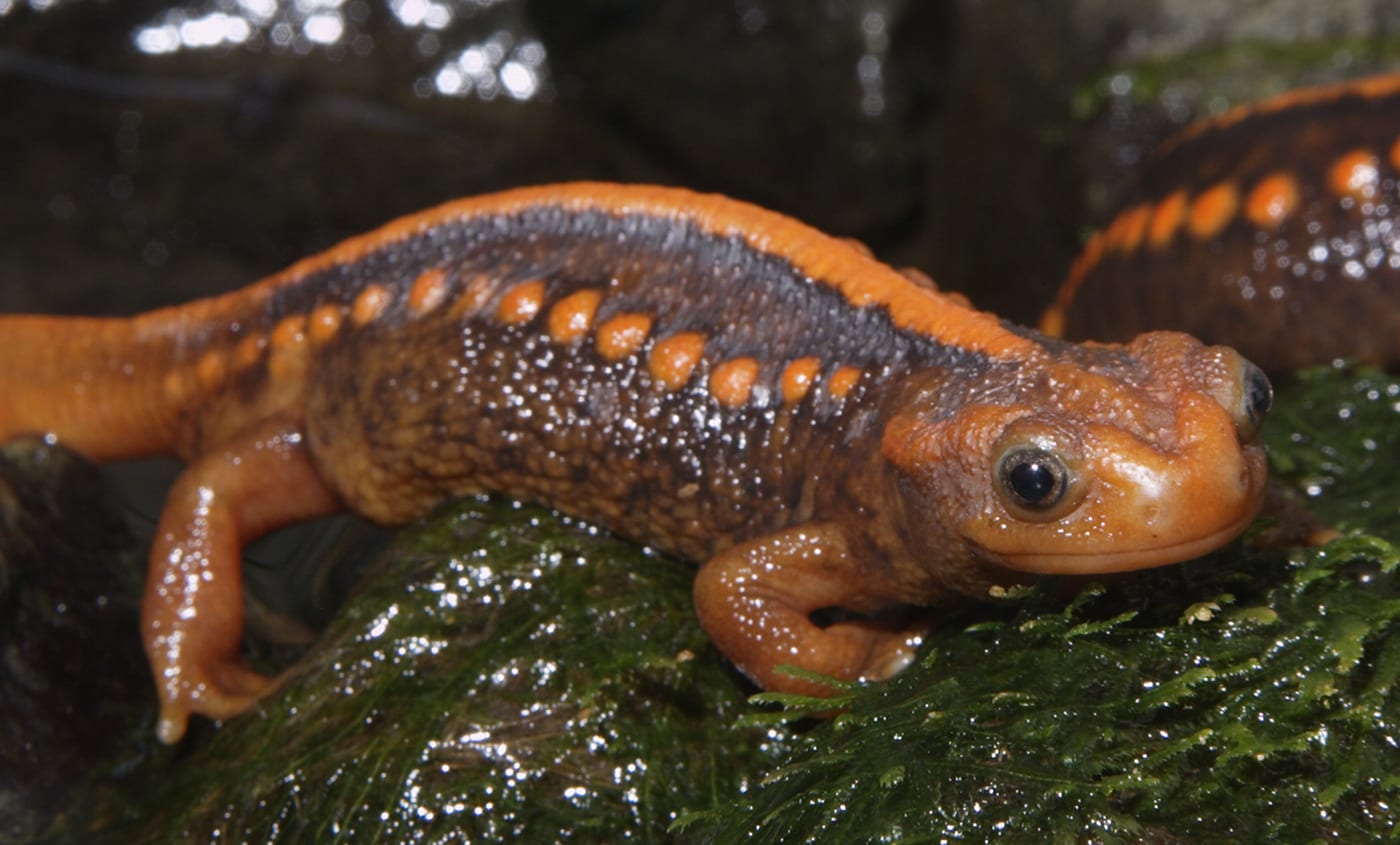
{"x": 1033, "y": 481}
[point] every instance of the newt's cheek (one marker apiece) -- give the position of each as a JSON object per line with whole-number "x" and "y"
{"x": 1140, "y": 503}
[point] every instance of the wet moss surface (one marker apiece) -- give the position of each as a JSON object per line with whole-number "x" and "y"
{"x": 502, "y": 675}
{"x": 506, "y": 675}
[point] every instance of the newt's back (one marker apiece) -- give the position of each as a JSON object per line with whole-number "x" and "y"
{"x": 650, "y": 370}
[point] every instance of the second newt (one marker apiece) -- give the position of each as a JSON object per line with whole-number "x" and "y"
{"x": 1274, "y": 227}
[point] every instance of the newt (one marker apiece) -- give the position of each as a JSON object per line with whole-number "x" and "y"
{"x": 813, "y": 428}
{"x": 1274, "y": 227}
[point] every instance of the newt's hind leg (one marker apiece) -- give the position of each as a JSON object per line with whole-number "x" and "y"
{"x": 756, "y": 601}
{"x": 192, "y": 613}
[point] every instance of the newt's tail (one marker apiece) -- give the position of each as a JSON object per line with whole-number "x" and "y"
{"x": 97, "y": 384}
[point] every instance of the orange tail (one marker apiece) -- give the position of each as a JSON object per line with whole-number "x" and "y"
{"x": 96, "y": 384}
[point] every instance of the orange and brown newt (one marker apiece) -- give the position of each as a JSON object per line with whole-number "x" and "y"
{"x": 816, "y": 430}
{"x": 1274, "y": 227}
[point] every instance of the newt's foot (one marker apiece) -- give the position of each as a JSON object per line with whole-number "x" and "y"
{"x": 757, "y": 600}
{"x": 217, "y": 692}
{"x": 192, "y": 613}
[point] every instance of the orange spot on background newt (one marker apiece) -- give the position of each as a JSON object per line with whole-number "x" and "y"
{"x": 572, "y": 316}
{"x": 674, "y": 358}
{"x": 1395, "y": 154}
{"x": 521, "y": 303}
{"x": 1212, "y": 210}
{"x": 1131, "y": 226}
{"x": 843, "y": 380}
{"x": 1356, "y": 175}
{"x": 325, "y": 321}
{"x": 1167, "y": 218}
{"x": 429, "y": 291}
{"x": 1272, "y": 200}
{"x": 369, "y": 305}
{"x": 732, "y": 381}
{"x": 798, "y": 377}
{"x": 622, "y": 335}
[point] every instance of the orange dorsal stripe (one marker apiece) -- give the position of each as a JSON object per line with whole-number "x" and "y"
{"x": 861, "y": 280}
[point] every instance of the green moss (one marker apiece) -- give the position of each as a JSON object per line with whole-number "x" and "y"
{"x": 504, "y": 676}
{"x": 1335, "y": 440}
{"x": 1242, "y": 70}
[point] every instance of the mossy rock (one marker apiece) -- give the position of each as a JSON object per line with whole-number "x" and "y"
{"x": 504, "y": 674}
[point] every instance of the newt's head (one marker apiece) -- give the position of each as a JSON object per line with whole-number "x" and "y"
{"x": 1095, "y": 459}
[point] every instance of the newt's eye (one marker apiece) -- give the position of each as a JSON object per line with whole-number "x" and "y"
{"x": 1033, "y": 482}
{"x": 1258, "y": 396}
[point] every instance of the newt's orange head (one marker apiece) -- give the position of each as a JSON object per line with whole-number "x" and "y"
{"x": 1097, "y": 459}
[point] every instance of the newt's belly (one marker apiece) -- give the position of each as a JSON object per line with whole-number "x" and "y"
{"x": 1274, "y": 228}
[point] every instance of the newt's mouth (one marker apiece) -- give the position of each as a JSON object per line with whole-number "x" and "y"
{"x": 1133, "y": 547}
{"x": 1108, "y": 562}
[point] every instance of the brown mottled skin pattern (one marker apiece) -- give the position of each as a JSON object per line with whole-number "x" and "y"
{"x": 533, "y": 418}
{"x": 1323, "y": 283}
{"x": 966, "y": 452}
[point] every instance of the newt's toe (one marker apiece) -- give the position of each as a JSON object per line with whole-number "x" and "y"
{"x": 217, "y": 692}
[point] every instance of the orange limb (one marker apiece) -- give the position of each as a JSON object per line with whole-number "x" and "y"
{"x": 756, "y": 601}
{"x": 192, "y": 613}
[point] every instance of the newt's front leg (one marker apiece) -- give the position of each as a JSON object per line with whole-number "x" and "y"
{"x": 192, "y": 613}
{"x": 756, "y": 600}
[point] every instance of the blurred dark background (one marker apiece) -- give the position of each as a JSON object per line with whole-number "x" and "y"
{"x": 157, "y": 150}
